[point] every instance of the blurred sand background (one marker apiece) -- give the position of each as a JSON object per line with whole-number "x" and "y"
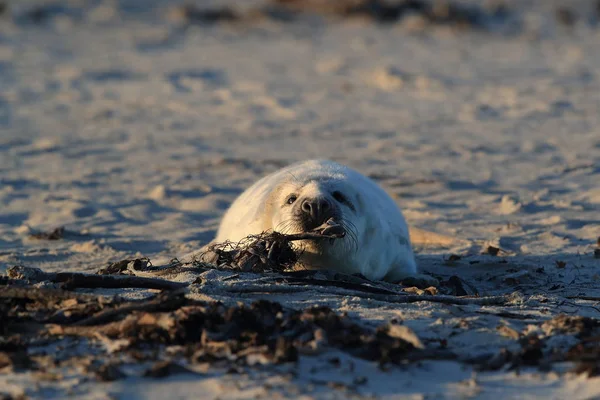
{"x": 134, "y": 124}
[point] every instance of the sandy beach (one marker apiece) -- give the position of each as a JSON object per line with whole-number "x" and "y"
{"x": 134, "y": 124}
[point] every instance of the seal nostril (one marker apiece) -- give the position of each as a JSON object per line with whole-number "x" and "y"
{"x": 306, "y": 206}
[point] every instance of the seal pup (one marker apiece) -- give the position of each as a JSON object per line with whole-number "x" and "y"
{"x": 305, "y": 196}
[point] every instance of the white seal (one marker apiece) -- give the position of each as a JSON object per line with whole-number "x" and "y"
{"x": 304, "y": 196}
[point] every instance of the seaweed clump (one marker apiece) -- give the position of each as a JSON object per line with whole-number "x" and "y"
{"x": 267, "y": 251}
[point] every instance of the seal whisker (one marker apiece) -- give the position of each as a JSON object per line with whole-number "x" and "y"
{"x": 351, "y": 231}
{"x": 284, "y": 226}
{"x": 279, "y": 226}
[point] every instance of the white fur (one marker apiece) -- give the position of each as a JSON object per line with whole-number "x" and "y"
{"x": 383, "y": 251}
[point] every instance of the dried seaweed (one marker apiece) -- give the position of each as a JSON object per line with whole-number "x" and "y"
{"x": 162, "y": 302}
{"x": 448, "y": 13}
{"x": 493, "y": 251}
{"x": 591, "y": 369}
{"x": 214, "y": 332}
{"x": 162, "y": 369}
{"x": 529, "y": 355}
{"x": 337, "y": 283}
{"x": 573, "y": 325}
{"x": 586, "y": 353}
{"x": 209, "y": 331}
{"x": 367, "y": 293}
{"x": 385, "y": 11}
{"x": 54, "y": 234}
{"x": 455, "y": 286}
{"x": 265, "y": 252}
{"x": 80, "y": 280}
{"x": 243, "y": 335}
{"x": 252, "y": 255}
{"x": 117, "y": 268}
{"x": 533, "y": 352}
{"x": 565, "y": 16}
{"x": 193, "y": 14}
{"x": 107, "y": 372}
{"x": 19, "y": 305}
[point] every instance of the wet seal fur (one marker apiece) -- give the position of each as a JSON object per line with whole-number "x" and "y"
{"x": 304, "y": 196}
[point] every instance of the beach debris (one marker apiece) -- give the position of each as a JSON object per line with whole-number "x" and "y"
{"x": 585, "y": 354}
{"x": 565, "y": 16}
{"x": 572, "y": 325}
{"x": 431, "y": 291}
{"x": 118, "y": 267}
{"x": 81, "y": 280}
{"x": 454, "y": 286}
{"x": 192, "y": 14}
{"x": 434, "y": 12}
{"x": 591, "y": 369}
{"x": 298, "y": 281}
{"x": 46, "y": 12}
{"x": 452, "y": 257}
{"x": 209, "y": 332}
{"x": 174, "y": 333}
{"x": 529, "y": 355}
{"x": 256, "y": 253}
{"x": 15, "y": 361}
{"x": 162, "y": 369}
{"x": 416, "y": 13}
{"x": 54, "y": 234}
{"x": 508, "y": 332}
{"x": 143, "y": 267}
{"x": 492, "y": 250}
{"x": 266, "y": 252}
{"x": 385, "y": 11}
{"x": 403, "y": 332}
{"x": 107, "y": 372}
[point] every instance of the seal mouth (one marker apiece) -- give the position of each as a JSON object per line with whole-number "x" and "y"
{"x": 330, "y": 229}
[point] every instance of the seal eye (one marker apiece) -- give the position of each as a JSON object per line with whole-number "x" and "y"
{"x": 339, "y": 197}
{"x": 291, "y": 199}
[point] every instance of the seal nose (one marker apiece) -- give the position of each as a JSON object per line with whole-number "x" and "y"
{"x": 317, "y": 208}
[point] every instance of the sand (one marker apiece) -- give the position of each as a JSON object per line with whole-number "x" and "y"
{"x": 135, "y": 132}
